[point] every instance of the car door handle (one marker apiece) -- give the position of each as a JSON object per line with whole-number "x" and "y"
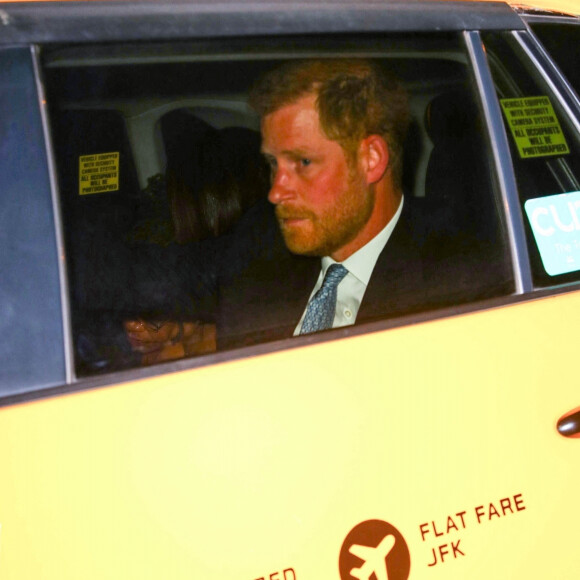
{"x": 569, "y": 424}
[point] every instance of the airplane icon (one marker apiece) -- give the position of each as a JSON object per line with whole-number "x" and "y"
{"x": 375, "y": 559}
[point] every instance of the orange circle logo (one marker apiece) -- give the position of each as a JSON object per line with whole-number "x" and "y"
{"x": 374, "y": 550}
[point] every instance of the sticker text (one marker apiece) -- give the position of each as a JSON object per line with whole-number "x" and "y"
{"x": 534, "y": 127}
{"x": 555, "y": 223}
{"x": 98, "y": 173}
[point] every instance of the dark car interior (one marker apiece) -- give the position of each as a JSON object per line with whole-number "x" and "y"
{"x": 155, "y": 104}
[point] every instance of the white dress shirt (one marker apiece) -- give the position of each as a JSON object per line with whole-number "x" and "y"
{"x": 360, "y": 267}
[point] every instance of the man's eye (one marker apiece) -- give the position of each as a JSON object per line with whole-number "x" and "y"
{"x": 305, "y": 162}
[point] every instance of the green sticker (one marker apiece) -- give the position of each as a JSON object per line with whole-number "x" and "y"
{"x": 534, "y": 127}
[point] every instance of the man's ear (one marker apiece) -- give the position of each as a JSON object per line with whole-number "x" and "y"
{"x": 375, "y": 155}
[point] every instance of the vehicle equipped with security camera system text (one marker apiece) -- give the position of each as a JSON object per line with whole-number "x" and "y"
{"x": 438, "y": 440}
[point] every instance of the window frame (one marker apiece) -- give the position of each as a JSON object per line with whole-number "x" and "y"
{"x": 563, "y": 94}
{"x": 34, "y": 356}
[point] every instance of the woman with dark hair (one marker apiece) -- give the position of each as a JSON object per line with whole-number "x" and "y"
{"x": 209, "y": 189}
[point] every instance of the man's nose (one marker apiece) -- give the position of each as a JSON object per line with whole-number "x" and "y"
{"x": 281, "y": 188}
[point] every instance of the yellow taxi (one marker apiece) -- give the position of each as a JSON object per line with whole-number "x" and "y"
{"x": 437, "y": 443}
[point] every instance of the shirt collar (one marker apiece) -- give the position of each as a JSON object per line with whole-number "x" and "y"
{"x": 362, "y": 262}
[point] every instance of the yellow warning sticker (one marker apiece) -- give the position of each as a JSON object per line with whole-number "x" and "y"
{"x": 535, "y": 127}
{"x": 98, "y": 173}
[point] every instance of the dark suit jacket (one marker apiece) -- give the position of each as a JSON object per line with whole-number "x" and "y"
{"x": 417, "y": 270}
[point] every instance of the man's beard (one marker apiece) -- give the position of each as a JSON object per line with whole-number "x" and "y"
{"x": 323, "y": 235}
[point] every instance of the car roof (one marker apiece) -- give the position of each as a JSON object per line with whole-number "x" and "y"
{"x": 45, "y": 21}
{"x": 120, "y": 20}
{"x": 571, "y": 7}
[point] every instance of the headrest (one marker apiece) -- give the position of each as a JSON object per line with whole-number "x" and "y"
{"x": 450, "y": 116}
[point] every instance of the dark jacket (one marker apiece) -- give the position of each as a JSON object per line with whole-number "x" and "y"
{"x": 417, "y": 270}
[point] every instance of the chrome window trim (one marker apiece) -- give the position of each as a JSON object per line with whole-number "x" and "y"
{"x": 557, "y": 82}
{"x": 503, "y": 163}
{"x": 57, "y": 217}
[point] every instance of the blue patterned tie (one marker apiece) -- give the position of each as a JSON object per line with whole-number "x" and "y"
{"x": 320, "y": 312}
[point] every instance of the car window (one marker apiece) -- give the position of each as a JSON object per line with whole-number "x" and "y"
{"x": 562, "y": 41}
{"x": 164, "y": 195}
{"x": 545, "y": 151}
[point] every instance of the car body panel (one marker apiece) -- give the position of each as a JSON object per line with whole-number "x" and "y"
{"x": 259, "y": 463}
{"x": 263, "y": 465}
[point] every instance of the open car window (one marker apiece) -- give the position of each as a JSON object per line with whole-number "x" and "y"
{"x": 164, "y": 192}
